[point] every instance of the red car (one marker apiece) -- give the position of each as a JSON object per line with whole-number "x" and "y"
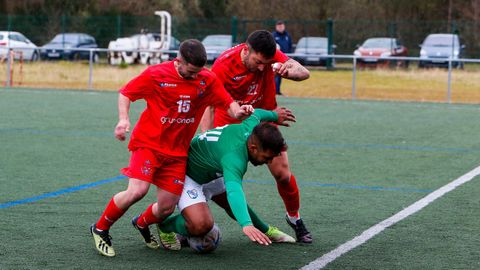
{"x": 369, "y": 52}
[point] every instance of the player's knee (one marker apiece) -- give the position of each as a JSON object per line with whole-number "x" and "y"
{"x": 165, "y": 210}
{"x": 136, "y": 194}
{"x": 200, "y": 227}
{"x": 282, "y": 176}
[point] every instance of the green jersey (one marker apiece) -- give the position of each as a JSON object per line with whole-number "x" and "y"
{"x": 223, "y": 151}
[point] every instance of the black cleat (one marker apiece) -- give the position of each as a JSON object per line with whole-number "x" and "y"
{"x": 301, "y": 232}
{"x": 148, "y": 237}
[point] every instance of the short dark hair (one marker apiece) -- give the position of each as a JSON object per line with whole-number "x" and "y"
{"x": 279, "y": 22}
{"x": 269, "y": 138}
{"x": 262, "y": 41}
{"x": 193, "y": 51}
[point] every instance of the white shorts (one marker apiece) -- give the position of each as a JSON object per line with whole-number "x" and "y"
{"x": 194, "y": 193}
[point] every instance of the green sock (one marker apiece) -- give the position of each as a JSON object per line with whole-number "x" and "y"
{"x": 174, "y": 224}
{"x": 257, "y": 222}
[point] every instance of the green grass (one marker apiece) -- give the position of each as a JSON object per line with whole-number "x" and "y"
{"x": 357, "y": 163}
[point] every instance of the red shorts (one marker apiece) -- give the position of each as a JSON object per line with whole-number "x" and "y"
{"x": 165, "y": 172}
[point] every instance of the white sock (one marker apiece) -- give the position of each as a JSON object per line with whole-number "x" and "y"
{"x": 293, "y": 219}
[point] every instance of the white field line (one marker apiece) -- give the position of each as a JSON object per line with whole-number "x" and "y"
{"x": 321, "y": 262}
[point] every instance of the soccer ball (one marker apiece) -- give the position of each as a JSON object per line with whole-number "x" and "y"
{"x": 206, "y": 243}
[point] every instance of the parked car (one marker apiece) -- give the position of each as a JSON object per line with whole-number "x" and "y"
{"x": 312, "y": 51}
{"x": 216, "y": 45}
{"x": 23, "y": 48}
{"x": 126, "y": 49}
{"x": 373, "y": 48}
{"x": 436, "y": 49}
{"x": 63, "y": 46}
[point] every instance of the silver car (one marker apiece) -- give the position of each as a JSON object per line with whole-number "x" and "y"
{"x": 22, "y": 47}
{"x": 216, "y": 45}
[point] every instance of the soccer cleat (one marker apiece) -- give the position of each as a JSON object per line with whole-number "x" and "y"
{"x": 301, "y": 232}
{"x": 170, "y": 240}
{"x": 278, "y": 236}
{"x": 102, "y": 241}
{"x": 148, "y": 238}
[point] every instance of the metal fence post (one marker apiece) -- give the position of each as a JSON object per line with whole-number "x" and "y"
{"x": 234, "y": 22}
{"x": 9, "y": 66}
{"x": 119, "y": 25}
{"x": 90, "y": 74}
{"x": 449, "y": 91}
{"x": 330, "y": 42}
{"x": 354, "y": 78}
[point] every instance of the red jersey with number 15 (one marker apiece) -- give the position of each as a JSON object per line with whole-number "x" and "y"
{"x": 253, "y": 88}
{"x": 174, "y": 107}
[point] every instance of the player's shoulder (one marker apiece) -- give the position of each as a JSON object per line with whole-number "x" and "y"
{"x": 229, "y": 55}
{"x": 165, "y": 67}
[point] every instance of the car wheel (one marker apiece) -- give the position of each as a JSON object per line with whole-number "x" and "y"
{"x": 34, "y": 57}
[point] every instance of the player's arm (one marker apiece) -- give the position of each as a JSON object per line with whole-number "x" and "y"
{"x": 123, "y": 125}
{"x": 206, "y": 122}
{"x": 240, "y": 112}
{"x": 292, "y": 70}
{"x": 280, "y": 115}
{"x": 238, "y": 204}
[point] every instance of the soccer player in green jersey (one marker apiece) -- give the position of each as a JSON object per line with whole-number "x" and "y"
{"x": 217, "y": 162}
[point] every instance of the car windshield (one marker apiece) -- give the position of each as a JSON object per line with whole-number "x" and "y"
{"x": 219, "y": 41}
{"x": 312, "y": 43}
{"x": 441, "y": 41}
{"x": 379, "y": 43}
{"x": 65, "y": 38}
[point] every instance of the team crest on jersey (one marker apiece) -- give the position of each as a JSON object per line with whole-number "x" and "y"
{"x": 192, "y": 193}
{"x": 203, "y": 83}
{"x": 164, "y": 84}
{"x": 147, "y": 168}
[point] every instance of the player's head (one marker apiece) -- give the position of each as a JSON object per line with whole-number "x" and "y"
{"x": 265, "y": 143}
{"x": 191, "y": 58}
{"x": 260, "y": 52}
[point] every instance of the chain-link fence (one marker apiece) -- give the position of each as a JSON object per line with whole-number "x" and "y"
{"x": 346, "y": 34}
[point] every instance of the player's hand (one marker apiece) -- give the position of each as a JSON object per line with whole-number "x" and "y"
{"x": 121, "y": 129}
{"x": 285, "y": 115}
{"x": 281, "y": 68}
{"x": 256, "y": 236}
{"x": 244, "y": 112}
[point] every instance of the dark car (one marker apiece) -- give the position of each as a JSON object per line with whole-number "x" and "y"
{"x": 369, "y": 52}
{"x": 436, "y": 49}
{"x": 63, "y": 46}
{"x": 312, "y": 51}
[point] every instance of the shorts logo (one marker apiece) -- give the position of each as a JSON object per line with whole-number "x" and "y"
{"x": 192, "y": 193}
{"x": 239, "y": 77}
{"x": 147, "y": 168}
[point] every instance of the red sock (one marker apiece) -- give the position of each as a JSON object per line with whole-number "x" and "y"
{"x": 111, "y": 214}
{"x": 290, "y": 196}
{"x": 147, "y": 218}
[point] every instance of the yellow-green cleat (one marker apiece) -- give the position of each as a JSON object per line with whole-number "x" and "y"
{"x": 170, "y": 240}
{"x": 148, "y": 238}
{"x": 102, "y": 241}
{"x": 278, "y": 236}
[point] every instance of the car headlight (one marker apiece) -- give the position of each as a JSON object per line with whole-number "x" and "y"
{"x": 357, "y": 53}
{"x": 385, "y": 54}
{"x": 455, "y": 53}
{"x": 423, "y": 52}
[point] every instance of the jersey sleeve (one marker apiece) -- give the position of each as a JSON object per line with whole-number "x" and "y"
{"x": 233, "y": 170}
{"x": 139, "y": 87}
{"x": 219, "y": 97}
{"x": 280, "y": 57}
{"x": 258, "y": 116}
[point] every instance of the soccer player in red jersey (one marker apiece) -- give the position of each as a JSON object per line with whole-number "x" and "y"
{"x": 247, "y": 72}
{"x": 176, "y": 93}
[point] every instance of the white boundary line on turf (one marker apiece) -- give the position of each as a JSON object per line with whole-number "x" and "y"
{"x": 321, "y": 262}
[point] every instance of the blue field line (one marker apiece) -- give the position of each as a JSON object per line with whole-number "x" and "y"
{"x": 345, "y": 186}
{"x": 61, "y": 192}
{"x": 261, "y": 182}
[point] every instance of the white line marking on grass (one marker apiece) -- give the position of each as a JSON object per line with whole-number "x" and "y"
{"x": 321, "y": 262}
